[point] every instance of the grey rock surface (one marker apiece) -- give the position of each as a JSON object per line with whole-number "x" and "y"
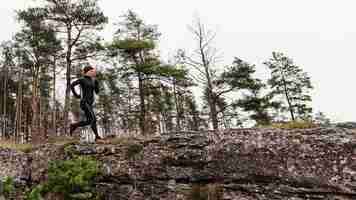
{"x": 241, "y": 164}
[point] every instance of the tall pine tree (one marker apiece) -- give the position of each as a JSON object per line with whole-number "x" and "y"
{"x": 289, "y": 81}
{"x": 77, "y": 22}
{"x": 135, "y": 43}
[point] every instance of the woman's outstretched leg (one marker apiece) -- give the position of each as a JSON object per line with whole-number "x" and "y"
{"x": 88, "y": 116}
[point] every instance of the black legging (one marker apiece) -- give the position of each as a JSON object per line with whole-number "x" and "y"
{"x": 90, "y": 117}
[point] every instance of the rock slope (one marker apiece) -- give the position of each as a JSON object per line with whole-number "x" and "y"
{"x": 241, "y": 164}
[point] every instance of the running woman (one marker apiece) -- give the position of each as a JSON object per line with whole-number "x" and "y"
{"x": 88, "y": 85}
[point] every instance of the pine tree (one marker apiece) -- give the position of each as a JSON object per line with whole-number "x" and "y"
{"x": 289, "y": 80}
{"x": 7, "y": 87}
{"x": 77, "y": 22}
{"x": 37, "y": 41}
{"x": 259, "y": 105}
{"x": 135, "y": 43}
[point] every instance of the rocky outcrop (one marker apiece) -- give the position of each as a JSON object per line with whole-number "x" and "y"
{"x": 348, "y": 125}
{"x": 241, "y": 164}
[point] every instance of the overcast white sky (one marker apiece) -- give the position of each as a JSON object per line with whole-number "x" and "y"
{"x": 320, "y": 36}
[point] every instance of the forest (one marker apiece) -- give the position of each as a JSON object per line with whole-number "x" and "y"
{"x": 140, "y": 91}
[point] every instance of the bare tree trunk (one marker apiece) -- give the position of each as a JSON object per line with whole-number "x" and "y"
{"x": 68, "y": 79}
{"x": 34, "y": 105}
{"x": 211, "y": 96}
{"x": 130, "y": 124}
{"x": 4, "y": 115}
{"x": 142, "y": 104}
{"x": 54, "y": 126}
{"x": 287, "y": 97}
{"x": 176, "y": 100}
{"x": 40, "y": 115}
{"x": 19, "y": 107}
{"x": 213, "y": 112}
{"x": 26, "y": 131}
{"x": 35, "y": 119}
{"x": 203, "y": 64}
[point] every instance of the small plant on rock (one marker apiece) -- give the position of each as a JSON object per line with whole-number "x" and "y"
{"x": 71, "y": 179}
{"x": 133, "y": 149}
{"x": 8, "y": 187}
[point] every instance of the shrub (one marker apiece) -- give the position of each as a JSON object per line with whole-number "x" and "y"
{"x": 70, "y": 150}
{"x": 133, "y": 149}
{"x": 35, "y": 193}
{"x": 8, "y": 187}
{"x": 72, "y": 179}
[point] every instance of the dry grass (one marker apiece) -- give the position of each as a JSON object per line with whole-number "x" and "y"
{"x": 354, "y": 131}
{"x": 65, "y": 140}
{"x": 62, "y": 140}
{"x": 26, "y": 148}
{"x": 206, "y": 192}
{"x": 120, "y": 140}
{"x": 294, "y": 125}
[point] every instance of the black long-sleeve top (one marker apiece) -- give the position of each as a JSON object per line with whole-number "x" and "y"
{"x": 88, "y": 86}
